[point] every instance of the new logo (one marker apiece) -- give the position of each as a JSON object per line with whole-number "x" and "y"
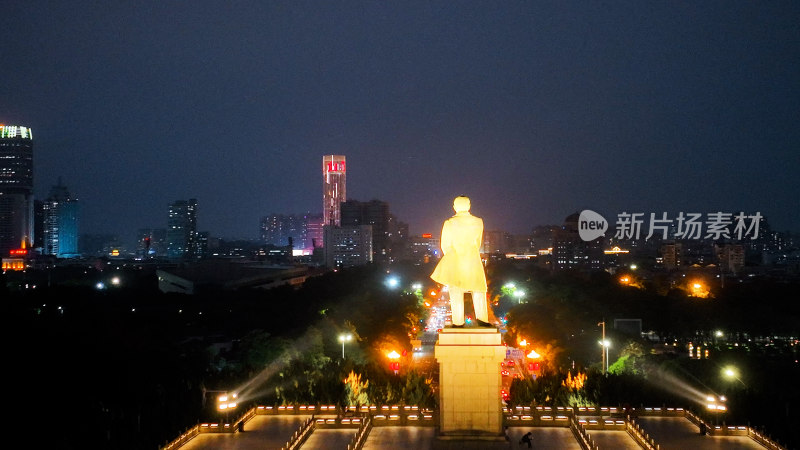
{"x": 591, "y": 225}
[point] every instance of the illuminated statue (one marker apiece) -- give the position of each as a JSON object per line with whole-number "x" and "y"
{"x": 461, "y": 268}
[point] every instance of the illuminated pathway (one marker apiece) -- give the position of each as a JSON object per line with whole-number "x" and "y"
{"x": 680, "y": 433}
{"x": 616, "y": 439}
{"x": 273, "y": 432}
{"x": 260, "y": 432}
{"x": 329, "y": 439}
{"x": 416, "y": 438}
{"x": 553, "y": 438}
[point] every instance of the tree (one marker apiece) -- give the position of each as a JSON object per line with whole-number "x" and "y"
{"x": 355, "y": 390}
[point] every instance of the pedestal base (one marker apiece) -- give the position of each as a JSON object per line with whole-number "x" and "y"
{"x": 470, "y": 408}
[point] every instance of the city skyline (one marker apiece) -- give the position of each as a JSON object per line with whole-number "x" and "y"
{"x": 534, "y": 111}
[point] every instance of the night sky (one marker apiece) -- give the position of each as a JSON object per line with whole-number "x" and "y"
{"x": 533, "y": 109}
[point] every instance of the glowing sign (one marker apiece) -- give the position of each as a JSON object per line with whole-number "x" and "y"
{"x": 427, "y": 235}
{"x": 13, "y": 264}
{"x": 335, "y": 167}
{"x": 18, "y": 252}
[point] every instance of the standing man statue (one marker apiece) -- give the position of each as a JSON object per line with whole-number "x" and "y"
{"x": 461, "y": 268}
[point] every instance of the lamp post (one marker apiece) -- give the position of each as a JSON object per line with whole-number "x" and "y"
{"x": 226, "y": 403}
{"x": 394, "y": 363}
{"x": 345, "y": 338}
{"x": 716, "y": 405}
{"x": 604, "y": 349}
{"x": 732, "y": 373}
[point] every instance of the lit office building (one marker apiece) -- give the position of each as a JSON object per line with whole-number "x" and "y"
{"x": 347, "y": 246}
{"x": 303, "y": 231}
{"x": 374, "y": 213}
{"x": 182, "y": 242}
{"x": 60, "y": 223}
{"x": 16, "y": 188}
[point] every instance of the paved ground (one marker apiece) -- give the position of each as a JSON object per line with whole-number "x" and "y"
{"x": 550, "y": 438}
{"x": 680, "y": 433}
{"x": 410, "y": 438}
{"x": 272, "y": 432}
{"x": 616, "y": 439}
{"x": 260, "y": 432}
{"x": 329, "y": 439}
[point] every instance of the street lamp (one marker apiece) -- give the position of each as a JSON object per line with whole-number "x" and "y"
{"x": 345, "y": 338}
{"x": 394, "y": 364}
{"x": 226, "y": 401}
{"x": 604, "y": 350}
{"x": 606, "y": 344}
{"x": 716, "y": 404}
{"x": 732, "y": 373}
{"x": 698, "y": 289}
{"x": 392, "y": 282}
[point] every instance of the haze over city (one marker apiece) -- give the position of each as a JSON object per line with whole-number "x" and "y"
{"x": 533, "y": 109}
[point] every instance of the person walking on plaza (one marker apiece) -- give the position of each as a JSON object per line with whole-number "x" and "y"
{"x": 527, "y": 439}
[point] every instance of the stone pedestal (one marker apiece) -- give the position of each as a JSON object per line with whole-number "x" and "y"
{"x": 469, "y": 384}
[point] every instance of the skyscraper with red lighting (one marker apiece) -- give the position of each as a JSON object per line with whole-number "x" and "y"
{"x": 334, "y": 176}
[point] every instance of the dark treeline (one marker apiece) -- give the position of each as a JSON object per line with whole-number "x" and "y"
{"x": 131, "y": 368}
{"x": 561, "y": 312}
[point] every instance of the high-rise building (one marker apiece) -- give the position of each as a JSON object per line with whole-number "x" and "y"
{"x": 375, "y": 213}
{"x": 348, "y": 245}
{"x": 151, "y": 243}
{"x": 424, "y": 248}
{"x": 303, "y": 231}
{"x": 334, "y": 177}
{"x": 282, "y": 229}
{"x": 314, "y": 233}
{"x": 60, "y": 223}
{"x": 182, "y": 230}
{"x": 672, "y": 255}
{"x": 16, "y": 188}
{"x": 730, "y": 257}
{"x": 497, "y": 241}
{"x": 571, "y": 252}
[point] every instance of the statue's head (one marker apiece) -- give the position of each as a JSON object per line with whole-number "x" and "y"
{"x": 461, "y": 204}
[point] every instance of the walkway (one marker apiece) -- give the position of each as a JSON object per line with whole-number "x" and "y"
{"x": 329, "y": 439}
{"x": 273, "y": 431}
{"x": 550, "y": 438}
{"x": 616, "y": 439}
{"x": 261, "y": 432}
{"x": 680, "y": 433}
{"x": 410, "y": 438}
